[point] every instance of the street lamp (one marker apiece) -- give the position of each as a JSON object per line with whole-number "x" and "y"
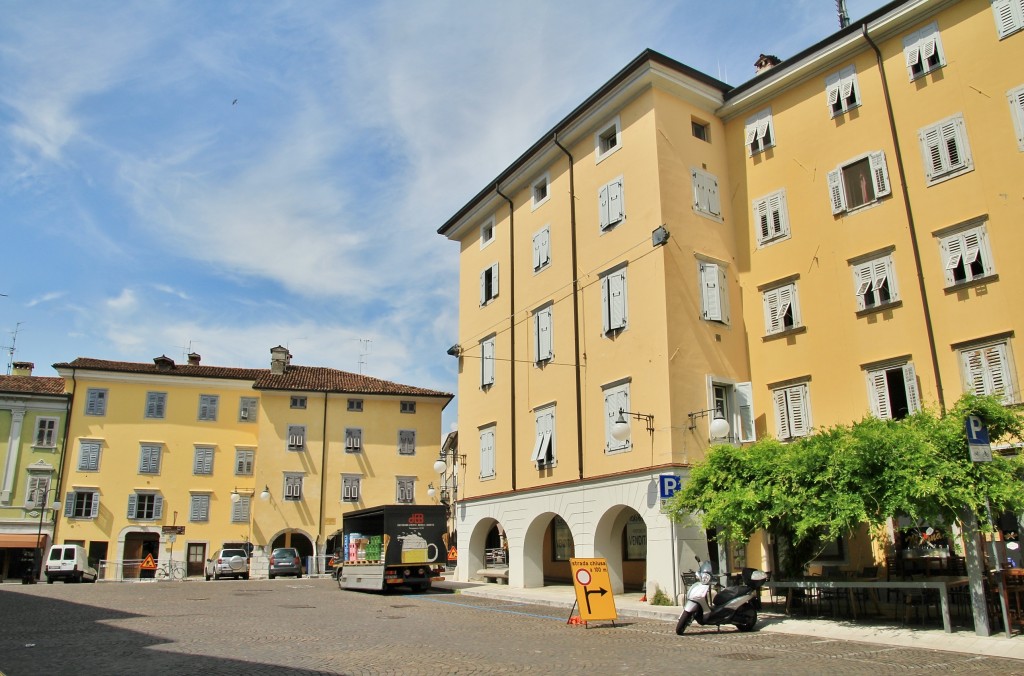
{"x": 37, "y": 560}
{"x": 620, "y": 428}
{"x": 236, "y": 496}
{"x": 719, "y": 428}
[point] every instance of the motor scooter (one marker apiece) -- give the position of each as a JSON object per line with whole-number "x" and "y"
{"x": 736, "y": 605}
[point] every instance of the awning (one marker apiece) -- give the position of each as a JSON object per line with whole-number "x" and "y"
{"x": 10, "y": 540}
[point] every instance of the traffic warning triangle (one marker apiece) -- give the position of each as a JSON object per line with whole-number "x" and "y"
{"x": 148, "y": 563}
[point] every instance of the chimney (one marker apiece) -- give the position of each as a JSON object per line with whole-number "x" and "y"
{"x": 22, "y": 368}
{"x": 163, "y": 363}
{"x": 193, "y": 359}
{"x": 280, "y": 360}
{"x": 765, "y": 62}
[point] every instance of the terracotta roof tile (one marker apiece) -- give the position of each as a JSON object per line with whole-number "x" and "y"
{"x": 31, "y": 385}
{"x": 296, "y": 378}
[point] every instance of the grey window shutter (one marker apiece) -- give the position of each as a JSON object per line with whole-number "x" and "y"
{"x": 602, "y": 207}
{"x": 133, "y": 500}
{"x": 69, "y": 504}
{"x": 910, "y": 384}
{"x": 158, "y": 506}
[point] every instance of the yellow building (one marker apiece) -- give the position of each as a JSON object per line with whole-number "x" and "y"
{"x": 262, "y": 457}
{"x": 817, "y": 244}
{"x": 33, "y": 411}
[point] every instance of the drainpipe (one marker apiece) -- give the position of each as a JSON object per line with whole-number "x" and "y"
{"x": 512, "y": 322}
{"x": 575, "y": 307}
{"x": 320, "y": 541}
{"x": 910, "y": 221}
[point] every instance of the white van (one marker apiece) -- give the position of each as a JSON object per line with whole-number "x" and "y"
{"x": 69, "y": 563}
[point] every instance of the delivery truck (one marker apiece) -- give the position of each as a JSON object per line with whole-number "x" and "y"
{"x": 393, "y": 545}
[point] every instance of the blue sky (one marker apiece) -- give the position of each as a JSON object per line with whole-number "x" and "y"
{"x": 232, "y": 176}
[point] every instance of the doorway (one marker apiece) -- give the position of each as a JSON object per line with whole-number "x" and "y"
{"x": 196, "y": 559}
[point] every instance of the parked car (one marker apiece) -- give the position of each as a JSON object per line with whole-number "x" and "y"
{"x": 69, "y": 562}
{"x": 228, "y": 563}
{"x": 285, "y": 561}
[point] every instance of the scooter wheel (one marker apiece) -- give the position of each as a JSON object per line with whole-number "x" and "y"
{"x": 684, "y": 621}
{"x": 746, "y": 619}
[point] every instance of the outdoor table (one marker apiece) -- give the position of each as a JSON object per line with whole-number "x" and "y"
{"x": 939, "y": 584}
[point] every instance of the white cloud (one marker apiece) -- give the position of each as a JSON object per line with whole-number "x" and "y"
{"x": 45, "y": 298}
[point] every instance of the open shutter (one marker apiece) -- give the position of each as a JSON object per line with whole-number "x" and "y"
{"x": 972, "y": 246}
{"x": 494, "y": 281}
{"x": 537, "y": 446}
{"x": 95, "y": 505}
{"x": 158, "y": 506}
{"x": 761, "y": 218}
{"x": 700, "y": 200}
{"x": 602, "y": 207}
{"x": 781, "y": 415}
{"x": 994, "y": 359}
{"x": 863, "y": 281}
{"x": 879, "y": 395}
{"x": 848, "y": 84}
{"x": 880, "y": 173}
{"x": 714, "y": 199}
{"x": 798, "y": 411}
{"x": 750, "y": 133}
{"x": 785, "y": 302}
{"x": 69, "y": 504}
{"x": 832, "y": 83}
{"x": 912, "y": 51}
{"x": 133, "y": 500}
{"x": 931, "y": 146}
{"x": 974, "y": 369}
{"x": 723, "y": 294}
{"x": 1016, "y": 97}
{"x": 483, "y": 287}
{"x": 1009, "y": 15}
{"x": 835, "y": 189}
{"x": 745, "y": 406}
{"x": 711, "y": 292}
{"x": 771, "y": 311}
{"x": 910, "y": 384}
{"x": 954, "y": 249}
{"x": 615, "y": 208}
{"x": 763, "y": 126}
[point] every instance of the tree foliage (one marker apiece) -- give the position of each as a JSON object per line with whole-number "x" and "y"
{"x": 818, "y": 488}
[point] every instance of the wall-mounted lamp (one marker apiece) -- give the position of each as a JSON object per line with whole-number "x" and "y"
{"x": 431, "y": 491}
{"x": 620, "y": 428}
{"x": 659, "y": 236}
{"x": 719, "y": 425}
{"x": 455, "y": 350}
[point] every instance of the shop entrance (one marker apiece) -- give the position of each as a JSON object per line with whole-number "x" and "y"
{"x": 137, "y": 546}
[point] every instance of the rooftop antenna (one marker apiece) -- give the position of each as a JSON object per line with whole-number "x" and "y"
{"x": 186, "y": 350}
{"x": 364, "y": 352}
{"x": 10, "y": 348}
{"x": 844, "y": 16}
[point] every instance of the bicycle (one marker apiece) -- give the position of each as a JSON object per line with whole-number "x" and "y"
{"x": 169, "y": 570}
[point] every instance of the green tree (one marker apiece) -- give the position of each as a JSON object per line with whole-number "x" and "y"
{"x": 818, "y": 488}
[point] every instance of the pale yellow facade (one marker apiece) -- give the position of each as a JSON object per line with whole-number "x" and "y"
{"x": 872, "y": 286}
{"x": 234, "y": 457}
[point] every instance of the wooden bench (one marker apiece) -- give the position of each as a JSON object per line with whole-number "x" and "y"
{"x": 499, "y": 575}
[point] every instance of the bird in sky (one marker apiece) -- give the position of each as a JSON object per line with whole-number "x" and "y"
{"x": 234, "y": 102}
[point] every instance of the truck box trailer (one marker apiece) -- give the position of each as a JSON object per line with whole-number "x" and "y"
{"x": 393, "y": 545}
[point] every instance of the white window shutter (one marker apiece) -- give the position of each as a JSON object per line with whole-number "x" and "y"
{"x": 778, "y": 220}
{"x": 714, "y": 197}
{"x": 832, "y": 83}
{"x": 615, "y": 207}
{"x": 798, "y": 411}
{"x": 910, "y": 384}
{"x": 974, "y": 369}
{"x": 880, "y": 274}
{"x": 863, "y": 281}
{"x": 953, "y": 136}
{"x": 771, "y": 311}
{"x": 602, "y": 207}
{"x": 133, "y": 500}
{"x": 614, "y": 400}
{"x": 710, "y": 291}
{"x": 994, "y": 359}
{"x": 605, "y": 306}
{"x": 781, "y": 415}
{"x": 487, "y": 362}
{"x": 836, "y": 193}
{"x": 750, "y": 133}
{"x": 95, "y": 505}
{"x": 1016, "y": 98}
{"x": 931, "y": 146}
{"x": 745, "y": 407}
{"x": 699, "y": 192}
{"x": 880, "y": 173}
{"x": 880, "y": 395}
{"x": 542, "y": 322}
{"x": 761, "y": 218}
{"x": 494, "y": 281}
{"x": 723, "y": 294}
{"x": 912, "y": 51}
{"x": 1008, "y": 16}
{"x": 537, "y": 446}
{"x": 483, "y": 287}
{"x": 613, "y": 290}
{"x": 536, "y": 251}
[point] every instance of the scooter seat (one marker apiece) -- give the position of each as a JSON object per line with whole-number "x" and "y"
{"x": 729, "y": 593}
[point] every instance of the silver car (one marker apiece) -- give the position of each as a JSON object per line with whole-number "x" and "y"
{"x": 285, "y": 561}
{"x": 228, "y": 563}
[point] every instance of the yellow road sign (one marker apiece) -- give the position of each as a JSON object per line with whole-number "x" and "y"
{"x": 593, "y": 589}
{"x": 148, "y": 563}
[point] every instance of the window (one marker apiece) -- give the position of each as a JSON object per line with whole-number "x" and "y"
{"x": 296, "y": 437}
{"x": 542, "y": 335}
{"x": 781, "y": 310}
{"x": 149, "y": 459}
{"x": 82, "y": 504}
{"x": 542, "y": 249}
{"x": 859, "y": 182}
{"x": 616, "y": 398}
{"x": 95, "y": 401}
{"x": 88, "y": 456}
{"x": 966, "y": 255}
{"x": 244, "y": 460}
{"x": 735, "y": 401}
{"x": 705, "y": 194}
{"x": 923, "y": 51}
{"x": 1009, "y": 15}
{"x": 355, "y": 405}
{"x": 540, "y": 191}
{"x": 772, "y": 218}
{"x": 1016, "y": 97}
{"x": 714, "y": 292}
{"x": 613, "y": 301}
{"x": 407, "y": 442}
{"x": 208, "y": 406}
{"x": 247, "y": 407}
{"x": 489, "y": 284}
{"x": 298, "y": 402}
{"x": 700, "y": 129}
{"x": 874, "y": 282}
{"x": 792, "y": 411}
{"x": 199, "y": 507}
{"x": 350, "y": 487}
{"x": 292, "y": 487}
{"x": 610, "y": 209}
{"x": 842, "y": 91}
{"x": 487, "y": 452}
{"x": 945, "y": 149}
{"x": 608, "y": 140}
{"x": 544, "y": 445}
{"x": 156, "y": 404}
{"x": 892, "y": 391}
{"x": 407, "y": 407}
{"x": 353, "y": 439}
{"x": 36, "y": 491}
{"x": 145, "y": 506}
{"x": 759, "y": 133}
{"x": 203, "y": 463}
{"x": 987, "y": 370}
{"x": 405, "y": 490}
{"x": 240, "y": 510}
{"x": 486, "y": 232}
{"x": 46, "y": 432}
{"x": 487, "y": 362}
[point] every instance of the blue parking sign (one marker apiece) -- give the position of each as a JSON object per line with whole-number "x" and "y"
{"x": 977, "y": 439}
{"x": 668, "y": 484}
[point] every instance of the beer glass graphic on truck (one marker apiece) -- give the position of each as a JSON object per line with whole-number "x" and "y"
{"x": 415, "y": 549}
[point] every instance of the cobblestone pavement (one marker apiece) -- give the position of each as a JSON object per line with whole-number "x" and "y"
{"x": 309, "y": 626}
